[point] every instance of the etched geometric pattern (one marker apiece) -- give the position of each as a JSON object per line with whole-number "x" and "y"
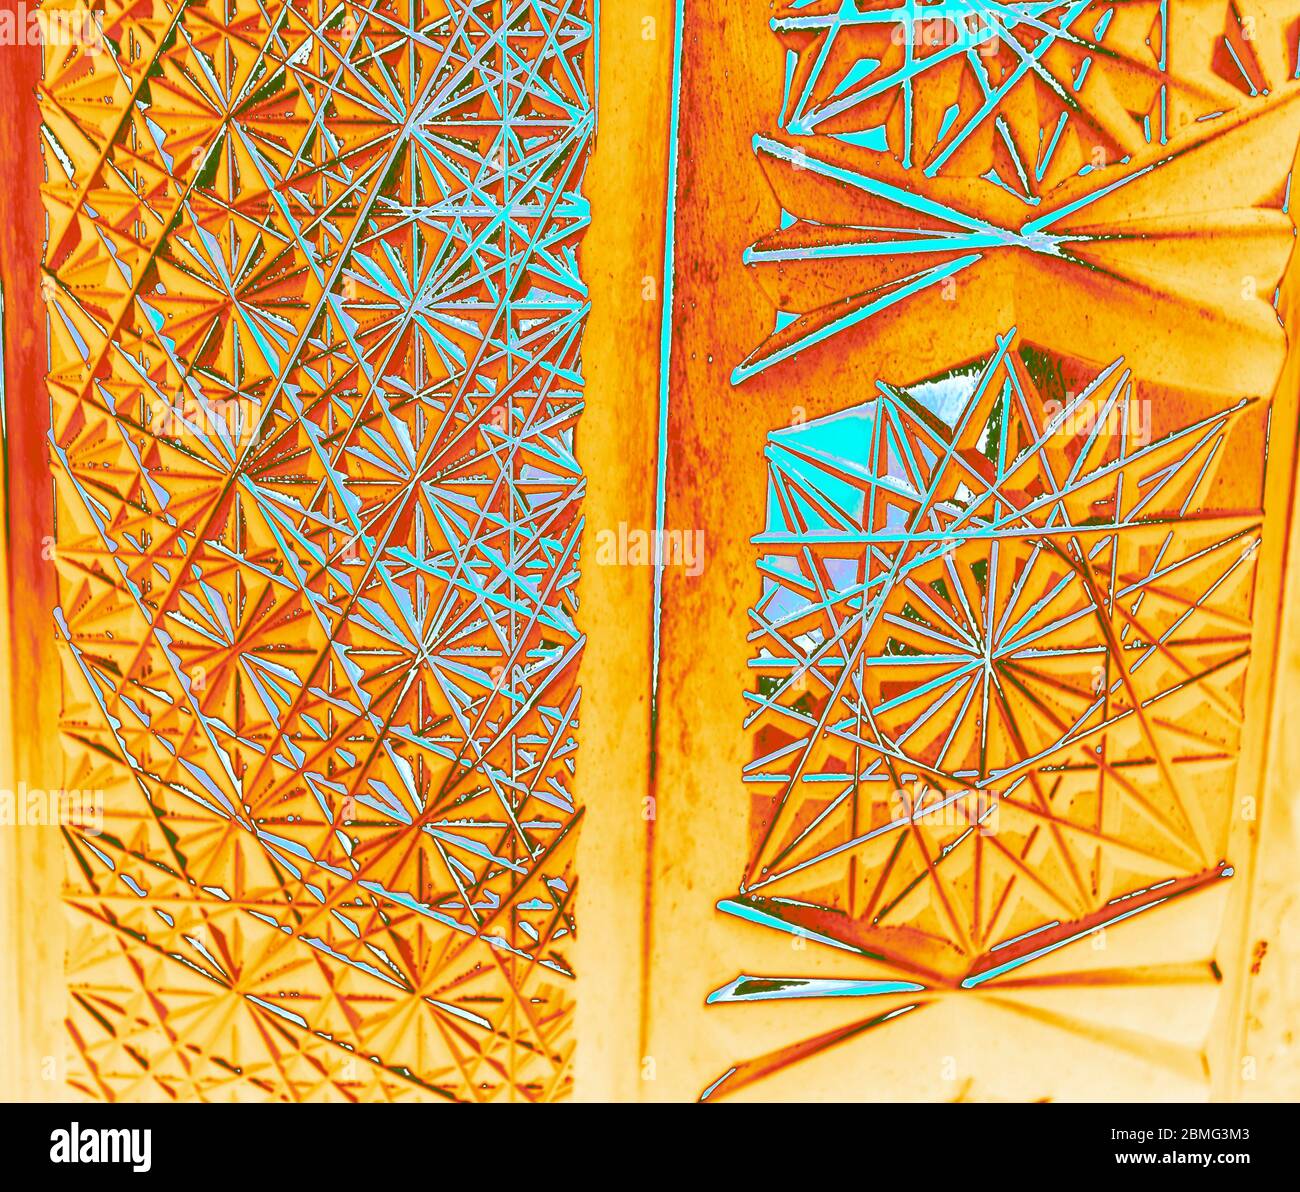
{"x": 1029, "y": 93}
{"x": 1153, "y": 172}
{"x": 315, "y": 317}
{"x": 1006, "y": 610}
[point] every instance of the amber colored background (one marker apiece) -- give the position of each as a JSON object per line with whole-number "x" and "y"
{"x": 31, "y": 861}
{"x": 651, "y": 944}
{"x": 731, "y": 86}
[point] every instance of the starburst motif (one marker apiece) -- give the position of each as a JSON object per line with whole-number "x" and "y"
{"x": 316, "y": 329}
{"x": 991, "y": 601}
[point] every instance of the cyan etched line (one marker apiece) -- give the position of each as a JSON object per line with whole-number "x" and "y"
{"x": 752, "y": 914}
{"x": 666, "y": 348}
{"x": 918, "y": 282}
{"x": 767, "y": 989}
{"x": 980, "y": 978}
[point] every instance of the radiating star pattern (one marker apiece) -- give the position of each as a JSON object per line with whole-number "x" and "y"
{"x": 315, "y": 317}
{"x": 1007, "y": 603}
{"x": 993, "y": 604}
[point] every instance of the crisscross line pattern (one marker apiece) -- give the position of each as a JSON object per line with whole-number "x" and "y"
{"x": 315, "y": 315}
